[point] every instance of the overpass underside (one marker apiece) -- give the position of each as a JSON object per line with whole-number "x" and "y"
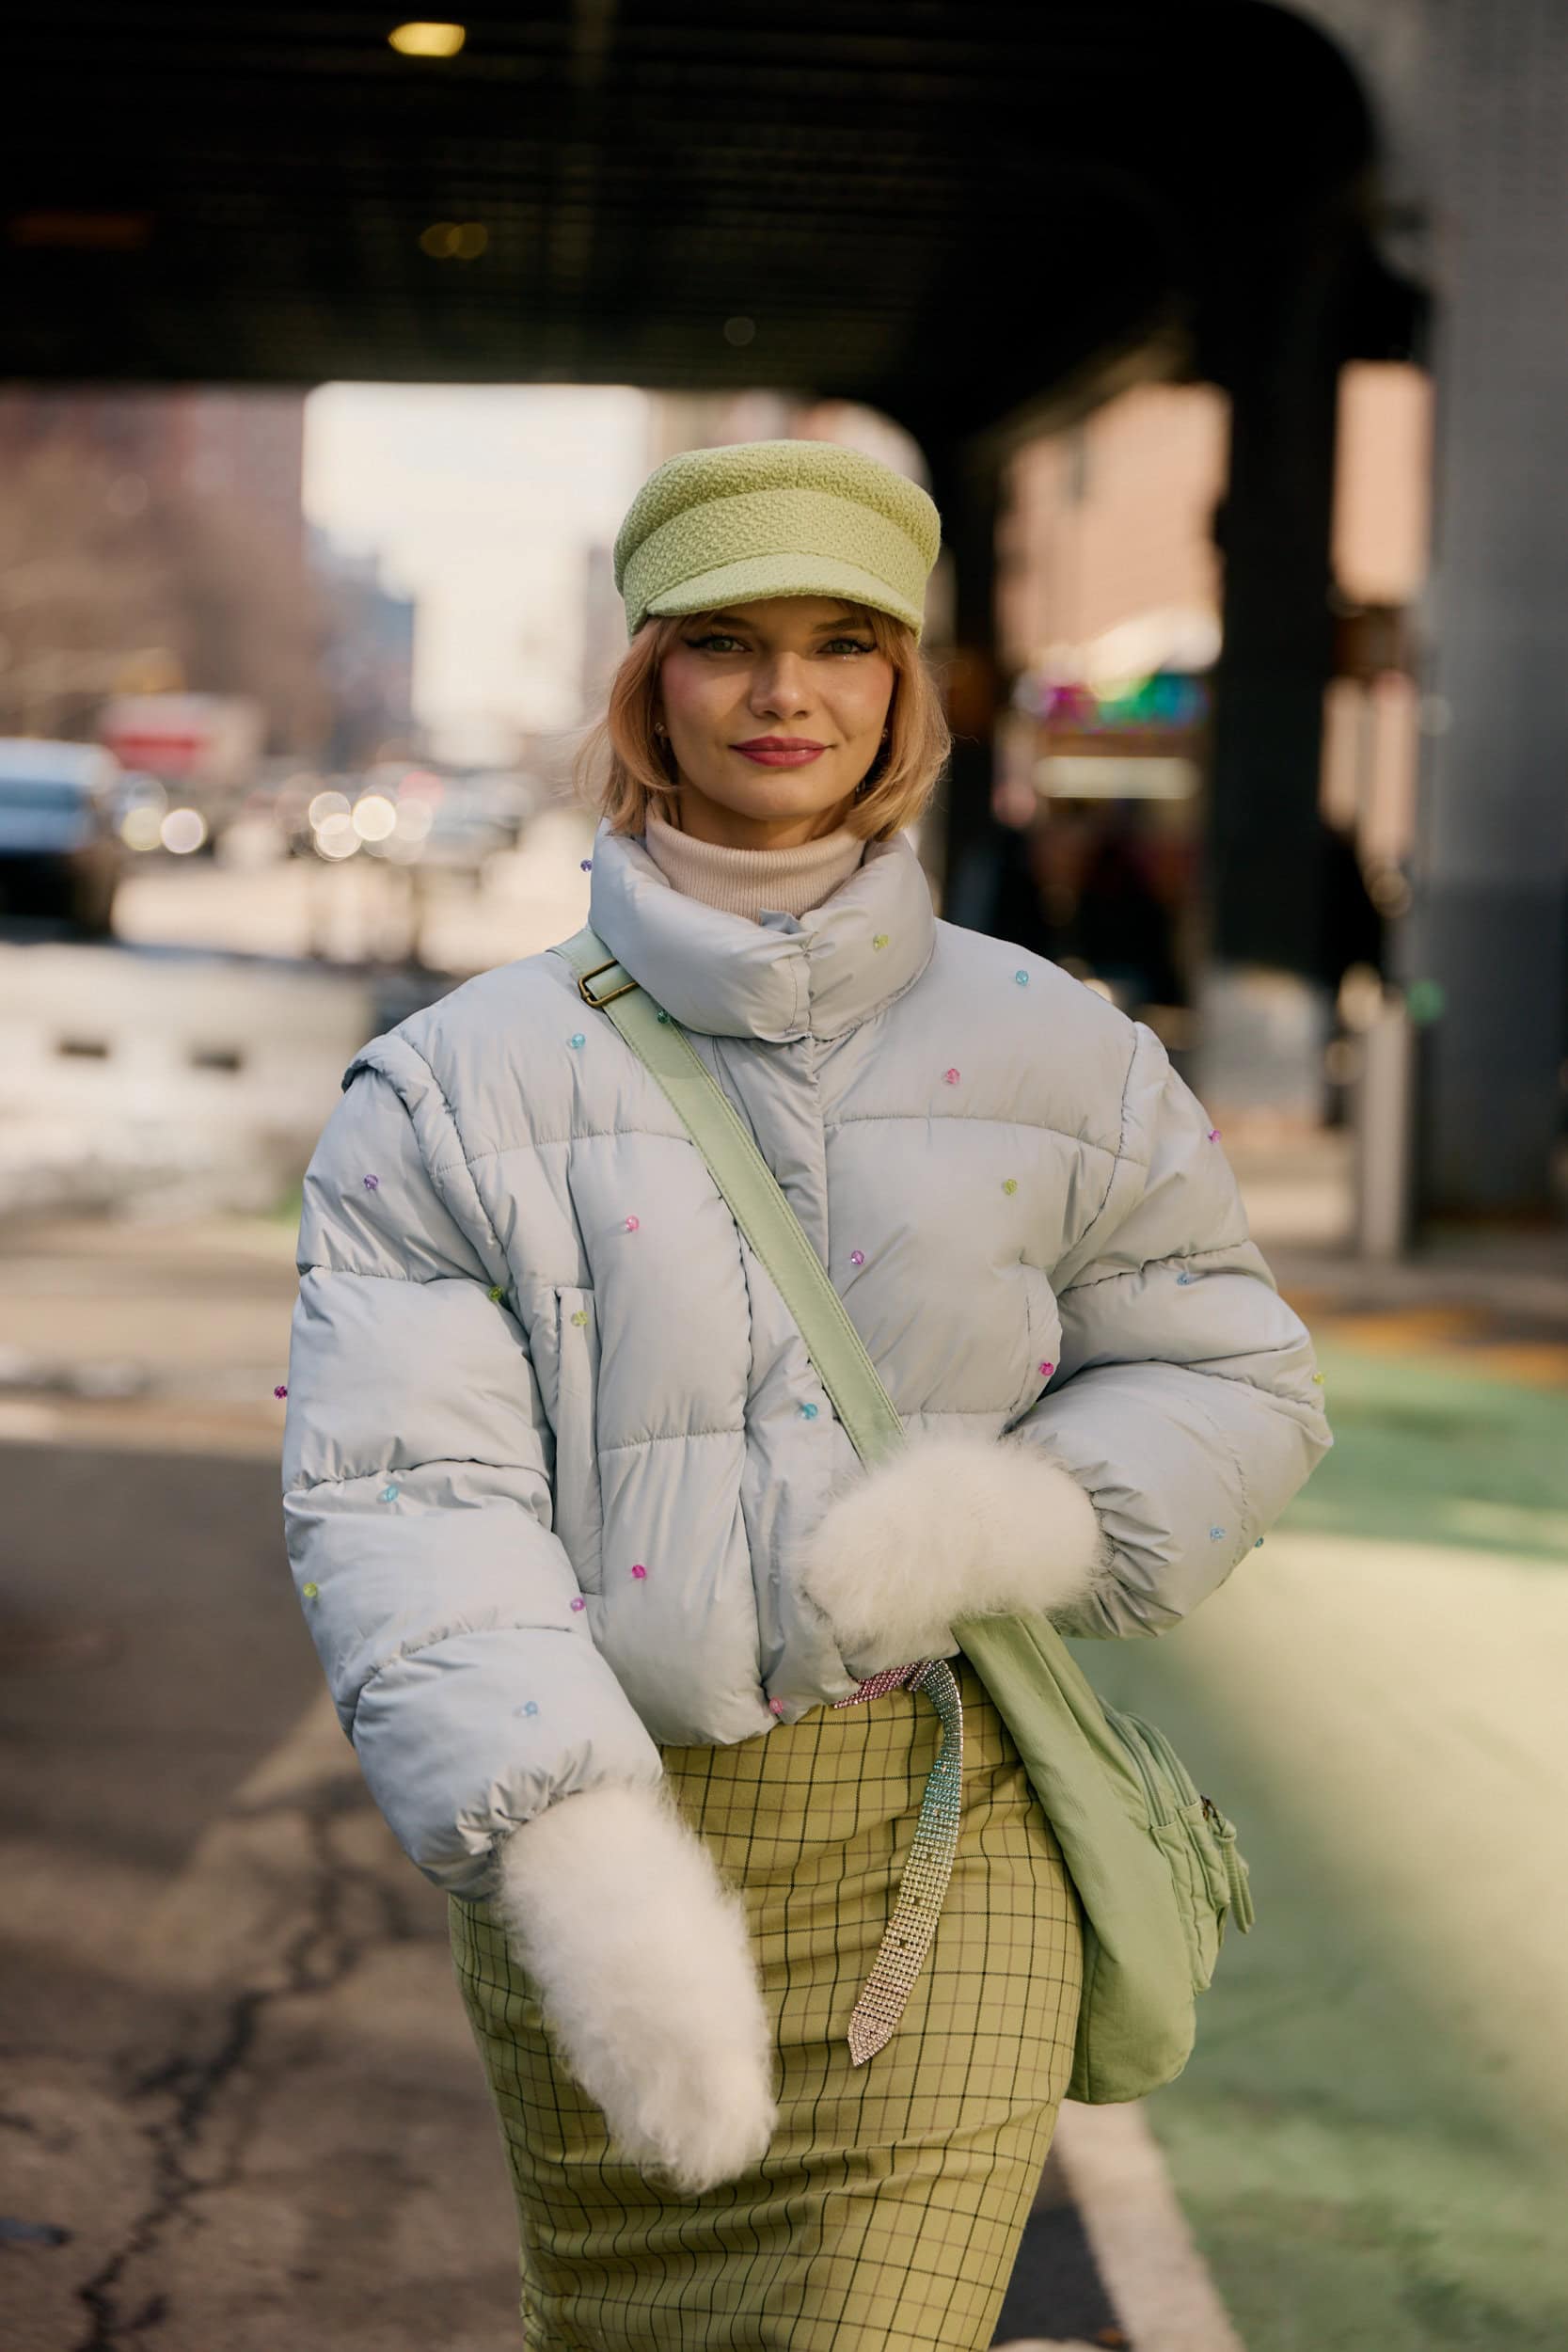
{"x": 941, "y": 210}
{"x": 974, "y": 219}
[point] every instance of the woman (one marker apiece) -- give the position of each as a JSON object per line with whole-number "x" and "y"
{"x": 593, "y": 1569}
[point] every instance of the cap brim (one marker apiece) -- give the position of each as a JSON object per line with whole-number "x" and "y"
{"x": 754, "y": 576}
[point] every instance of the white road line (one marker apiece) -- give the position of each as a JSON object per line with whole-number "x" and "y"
{"x": 1154, "y": 2274}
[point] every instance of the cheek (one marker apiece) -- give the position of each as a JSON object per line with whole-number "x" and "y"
{"x": 861, "y": 701}
{"x": 692, "y": 695}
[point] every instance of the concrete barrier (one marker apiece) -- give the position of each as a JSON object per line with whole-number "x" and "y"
{"x": 166, "y": 1081}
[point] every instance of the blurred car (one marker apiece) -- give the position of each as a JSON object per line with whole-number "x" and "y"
{"x": 508, "y": 797}
{"x": 203, "y": 747}
{"x": 464, "y": 832}
{"x": 149, "y": 818}
{"x": 399, "y": 815}
{"x": 60, "y": 851}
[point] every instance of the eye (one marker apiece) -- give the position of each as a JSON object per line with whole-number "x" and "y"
{"x": 841, "y": 645}
{"x": 716, "y": 641}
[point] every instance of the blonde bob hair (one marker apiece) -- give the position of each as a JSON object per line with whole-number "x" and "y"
{"x": 624, "y": 768}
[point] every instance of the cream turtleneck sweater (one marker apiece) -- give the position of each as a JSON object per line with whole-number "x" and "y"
{"x": 750, "y": 882}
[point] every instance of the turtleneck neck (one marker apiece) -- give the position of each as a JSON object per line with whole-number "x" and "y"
{"x": 754, "y": 881}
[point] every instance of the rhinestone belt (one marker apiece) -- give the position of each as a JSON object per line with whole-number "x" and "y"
{"x": 930, "y": 1867}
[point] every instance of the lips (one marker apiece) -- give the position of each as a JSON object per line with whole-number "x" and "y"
{"x": 780, "y": 750}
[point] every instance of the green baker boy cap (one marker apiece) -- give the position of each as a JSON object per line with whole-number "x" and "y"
{"x": 776, "y": 519}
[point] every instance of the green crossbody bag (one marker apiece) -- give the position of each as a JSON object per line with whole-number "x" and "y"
{"x": 1154, "y": 1863}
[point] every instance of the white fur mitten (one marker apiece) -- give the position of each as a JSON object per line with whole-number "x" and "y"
{"x": 952, "y": 1527}
{"x": 645, "y": 1975}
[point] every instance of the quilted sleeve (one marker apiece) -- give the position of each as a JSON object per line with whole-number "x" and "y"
{"x": 417, "y": 1503}
{"x": 1184, "y": 1399}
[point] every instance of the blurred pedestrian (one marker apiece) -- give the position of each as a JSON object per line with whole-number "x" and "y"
{"x": 1350, "y": 927}
{"x": 1123, "y": 928}
{"x": 1073, "y": 882}
{"x": 622, "y": 1633}
{"x": 994, "y": 886}
{"x": 1352, "y": 938}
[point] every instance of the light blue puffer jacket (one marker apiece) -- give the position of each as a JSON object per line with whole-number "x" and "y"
{"x": 553, "y": 1440}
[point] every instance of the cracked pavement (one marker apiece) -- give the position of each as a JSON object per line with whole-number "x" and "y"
{"x": 240, "y": 2107}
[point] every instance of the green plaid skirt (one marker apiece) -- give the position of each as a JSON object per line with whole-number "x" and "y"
{"x": 886, "y": 2215}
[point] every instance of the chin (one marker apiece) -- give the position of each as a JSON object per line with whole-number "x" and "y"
{"x": 777, "y": 792}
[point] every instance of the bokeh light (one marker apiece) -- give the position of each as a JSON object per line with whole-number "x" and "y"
{"x": 455, "y": 240}
{"x": 336, "y": 836}
{"x": 141, "y": 827}
{"x": 428, "y": 41}
{"x": 375, "y": 817}
{"x": 183, "y": 831}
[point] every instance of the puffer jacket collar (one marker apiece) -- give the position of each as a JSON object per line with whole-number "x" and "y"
{"x": 779, "y": 980}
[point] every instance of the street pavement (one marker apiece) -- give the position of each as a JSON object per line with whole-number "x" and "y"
{"x": 241, "y": 2104}
{"x": 240, "y": 2111}
{"x": 1371, "y": 2145}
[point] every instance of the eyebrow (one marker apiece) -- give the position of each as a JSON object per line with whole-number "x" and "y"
{"x": 733, "y": 620}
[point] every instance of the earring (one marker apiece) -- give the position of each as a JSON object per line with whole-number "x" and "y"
{"x": 659, "y": 727}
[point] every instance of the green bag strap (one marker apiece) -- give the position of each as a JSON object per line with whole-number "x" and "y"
{"x": 1003, "y": 1644}
{"x": 869, "y": 1416}
{"x": 1136, "y": 2018}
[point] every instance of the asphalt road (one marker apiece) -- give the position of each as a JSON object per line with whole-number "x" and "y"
{"x": 241, "y": 2111}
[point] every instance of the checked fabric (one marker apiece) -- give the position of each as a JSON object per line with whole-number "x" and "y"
{"x": 886, "y": 2215}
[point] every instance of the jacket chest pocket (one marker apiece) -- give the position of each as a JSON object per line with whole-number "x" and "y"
{"x": 565, "y": 1350}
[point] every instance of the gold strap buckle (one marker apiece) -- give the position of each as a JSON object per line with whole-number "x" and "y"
{"x": 609, "y": 996}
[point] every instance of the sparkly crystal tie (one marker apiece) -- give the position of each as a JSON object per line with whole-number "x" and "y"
{"x": 930, "y": 1860}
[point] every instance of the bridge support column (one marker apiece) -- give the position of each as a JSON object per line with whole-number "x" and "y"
{"x": 965, "y": 487}
{"x": 1487, "y": 928}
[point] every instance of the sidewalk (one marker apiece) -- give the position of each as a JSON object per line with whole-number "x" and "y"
{"x": 1372, "y": 2143}
{"x": 1298, "y": 1186}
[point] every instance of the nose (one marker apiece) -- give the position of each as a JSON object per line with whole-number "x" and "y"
{"x": 781, "y": 687}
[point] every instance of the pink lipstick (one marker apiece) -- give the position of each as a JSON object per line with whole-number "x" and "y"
{"x": 781, "y": 750}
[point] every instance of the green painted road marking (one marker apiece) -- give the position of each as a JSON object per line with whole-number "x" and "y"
{"x": 1434, "y": 1453}
{"x": 1372, "y": 2143}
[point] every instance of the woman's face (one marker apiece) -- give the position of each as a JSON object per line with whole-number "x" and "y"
{"x": 774, "y": 711}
